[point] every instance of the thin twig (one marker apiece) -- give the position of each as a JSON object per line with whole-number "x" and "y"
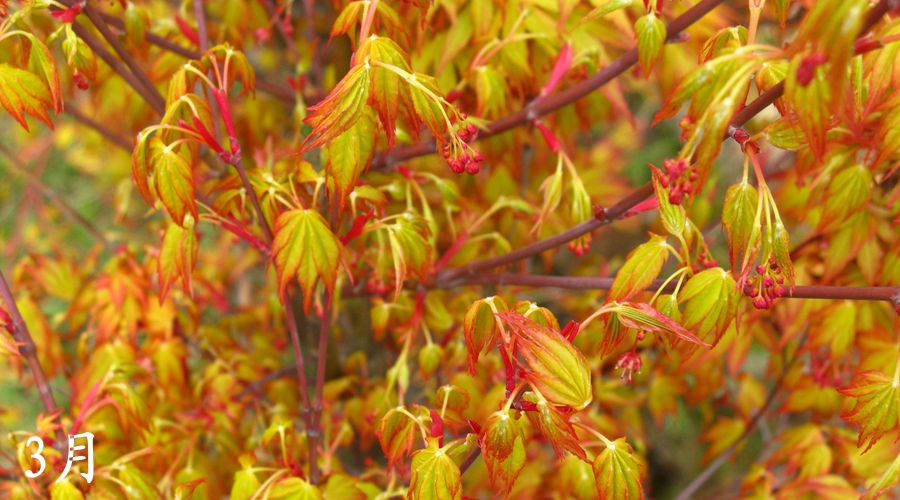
{"x": 103, "y": 130}
{"x": 202, "y": 32}
{"x": 643, "y": 192}
{"x": 280, "y": 92}
{"x": 19, "y": 167}
{"x": 560, "y": 99}
{"x": 711, "y": 469}
{"x": 156, "y": 99}
{"x": 27, "y": 349}
{"x": 876, "y": 293}
{"x": 470, "y": 459}
{"x": 285, "y": 37}
{"x": 117, "y": 66}
{"x": 315, "y": 434}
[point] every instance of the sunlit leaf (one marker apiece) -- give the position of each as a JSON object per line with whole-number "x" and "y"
{"x": 556, "y": 368}
{"x": 435, "y": 476}
{"x": 617, "y": 473}
{"x": 555, "y": 427}
{"x": 651, "y": 33}
{"x": 641, "y": 267}
{"x": 876, "y": 409}
{"x": 305, "y": 249}
{"x": 480, "y": 327}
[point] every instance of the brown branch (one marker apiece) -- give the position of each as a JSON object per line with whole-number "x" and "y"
{"x": 877, "y": 293}
{"x": 155, "y": 98}
{"x": 33, "y": 180}
{"x": 315, "y": 434}
{"x": 560, "y": 99}
{"x": 202, "y": 32}
{"x": 117, "y": 66}
{"x": 280, "y": 92}
{"x": 611, "y": 214}
{"x": 308, "y": 419}
{"x": 103, "y": 130}
{"x": 643, "y": 192}
{"x": 711, "y": 469}
{"x": 27, "y": 349}
{"x": 285, "y": 37}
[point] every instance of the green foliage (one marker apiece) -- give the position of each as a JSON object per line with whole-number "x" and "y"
{"x": 434, "y": 179}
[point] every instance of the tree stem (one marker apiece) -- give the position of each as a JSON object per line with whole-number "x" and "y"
{"x": 27, "y": 349}
{"x": 155, "y": 98}
{"x": 315, "y": 434}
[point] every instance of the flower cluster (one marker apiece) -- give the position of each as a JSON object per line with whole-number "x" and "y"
{"x": 807, "y": 70}
{"x": 679, "y": 179}
{"x": 629, "y": 362}
{"x": 704, "y": 257}
{"x": 459, "y": 155}
{"x": 768, "y": 285}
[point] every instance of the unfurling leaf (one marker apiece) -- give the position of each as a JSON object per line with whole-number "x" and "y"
{"x": 24, "y": 92}
{"x": 480, "y": 327}
{"x": 349, "y": 155}
{"x": 641, "y": 267}
{"x": 80, "y": 58}
{"x": 673, "y": 216}
{"x": 387, "y": 88}
{"x": 617, "y": 473}
{"x": 340, "y": 110}
{"x": 294, "y": 488}
{"x": 396, "y": 433}
{"x": 555, "y": 427}
{"x": 177, "y": 257}
{"x": 651, "y": 33}
{"x": 604, "y": 9}
{"x": 173, "y": 178}
{"x": 429, "y": 359}
{"x": 540, "y": 315}
{"x": 305, "y": 248}
{"x": 435, "y": 476}
{"x": 710, "y": 301}
{"x": 644, "y": 317}
{"x": 876, "y": 410}
{"x": 885, "y": 483}
{"x": 739, "y": 217}
{"x": 556, "y": 368}
{"x": 410, "y": 249}
{"x": 503, "y": 448}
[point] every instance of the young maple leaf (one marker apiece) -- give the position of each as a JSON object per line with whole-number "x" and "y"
{"x": 177, "y": 257}
{"x": 556, "y": 368}
{"x": 503, "y": 448}
{"x": 555, "y": 427}
{"x": 617, "y": 473}
{"x": 434, "y": 474}
{"x": 340, "y": 110}
{"x": 305, "y": 248}
{"x": 480, "y": 327}
{"x": 877, "y": 400}
{"x": 396, "y": 433}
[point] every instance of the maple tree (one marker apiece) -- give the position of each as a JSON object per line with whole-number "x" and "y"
{"x": 357, "y": 249}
